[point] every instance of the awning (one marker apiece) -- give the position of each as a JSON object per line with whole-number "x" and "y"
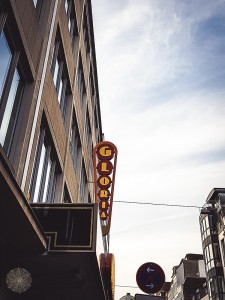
{"x": 19, "y": 228}
{"x": 69, "y": 276}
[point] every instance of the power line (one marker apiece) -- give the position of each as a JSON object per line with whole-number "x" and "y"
{"x": 127, "y": 286}
{"x": 159, "y": 204}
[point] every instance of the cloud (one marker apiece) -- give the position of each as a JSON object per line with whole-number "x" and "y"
{"x": 150, "y": 47}
{"x": 161, "y": 69}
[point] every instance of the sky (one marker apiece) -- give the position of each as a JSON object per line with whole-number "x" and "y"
{"x": 161, "y": 75}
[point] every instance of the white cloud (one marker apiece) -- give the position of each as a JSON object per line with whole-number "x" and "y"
{"x": 162, "y": 103}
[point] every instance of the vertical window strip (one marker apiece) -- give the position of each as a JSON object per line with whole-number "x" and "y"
{"x": 71, "y": 20}
{"x": 44, "y": 177}
{"x": 52, "y": 183}
{"x": 63, "y": 99}
{"x": 81, "y": 84}
{"x": 58, "y": 69}
{"x": 75, "y": 144}
{"x": 83, "y": 183}
{"x": 39, "y": 174}
{"x": 88, "y": 133}
{"x": 66, "y": 196}
{"x": 9, "y": 90}
{"x": 6, "y": 58}
{"x": 35, "y": 169}
{"x": 54, "y": 56}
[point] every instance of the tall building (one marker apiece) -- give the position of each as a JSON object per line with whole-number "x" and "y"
{"x": 212, "y": 224}
{"x": 50, "y": 121}
{"x": 188, "y": 276}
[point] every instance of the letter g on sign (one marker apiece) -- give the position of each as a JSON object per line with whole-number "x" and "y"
{"x": 105, "y": 152}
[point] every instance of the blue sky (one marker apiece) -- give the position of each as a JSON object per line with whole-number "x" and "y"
{"x": 161, "y": 70}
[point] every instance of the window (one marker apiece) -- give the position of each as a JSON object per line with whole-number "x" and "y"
{"x": 44, "y": 174}
{"x": 11, "y": 89}
{"x": 75, "y": 144}
{"x": 223, "y": 250}
{"x": 66, "y": 196}
{"x": 89, "y": 198}
{"x": 81, "y": 84}
{"x": 209, "y": 258}
{"x": 221, "y": 284}
{"x": 60, "y": 75}
{"x": 86, "y": 30}
{"x": 35, "y": 2}
{"x": 217, "y": 254}
{"x": 38, "y": 6}
{"x": 88, "y": 134}
{"x": 72, "y": 22}
{"x": 205, "y": 230}
{"x": 83, "y": 183}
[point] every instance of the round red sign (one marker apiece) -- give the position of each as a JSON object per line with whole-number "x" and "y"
{"x": 150, "y": 278}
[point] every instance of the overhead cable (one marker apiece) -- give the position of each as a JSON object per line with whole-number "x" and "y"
{"x": 127, "y": 286}
{"x": 159, "y": 204}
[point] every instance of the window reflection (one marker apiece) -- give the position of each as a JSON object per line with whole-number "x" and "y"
{"x": 11, "y": 87}
{"x": 83, "y": 184}
{"x": 47, "y": 180}
{"x": 9, "y": 107}
{"x": 5, "y": 59}
{"x": 75, "y": 144}
{"x": 60, "y": 75}
{"x": 56, "y": 71}
{"x": 35, "y": 2}
{"x": 39, "y": 175}
{"x": 44, "y": 175}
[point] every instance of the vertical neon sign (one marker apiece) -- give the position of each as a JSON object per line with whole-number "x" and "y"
{"x": 105, "y": 158}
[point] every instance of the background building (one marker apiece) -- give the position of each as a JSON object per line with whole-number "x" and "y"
{"x": 212, "y": 221}
{"x": 187, "y": 277}
{"x": 50, "y": 121}
{"x": 201, "y": 293}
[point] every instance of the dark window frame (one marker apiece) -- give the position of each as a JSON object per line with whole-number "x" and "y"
{"x": 60, "y": 75}
{"x": 71, "y": 21}
{"x": 88, "y": 133}
{"x": 83, "y": 183}
{"x": 66, "y": 195}
{"x": 81, "y": 84}
{"x": 86, "y": 31}
{"x": 14, "y": 68}
{"x": 75, "y": 143}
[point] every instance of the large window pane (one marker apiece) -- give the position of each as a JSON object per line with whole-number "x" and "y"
{"x": 9, "y": 107}
{"x": 60, "y": 75}
{"x": 35, "y": 2}
{"x": 60, "y": 90}
{"x": 47, "y": 181}
{"x": 39, "y": 175}
{"x": 44, "y": 173}
{"x": 5, "y": 59}
{"x": 66, "y": 6}
{"x": 56, "y": 71}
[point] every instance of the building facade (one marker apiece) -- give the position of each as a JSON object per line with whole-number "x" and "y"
{"x": 201, "y": 293}
{"x": 50, "y": 120}
{"x": 187, "y": 277}
{"x": 212, "y": 225}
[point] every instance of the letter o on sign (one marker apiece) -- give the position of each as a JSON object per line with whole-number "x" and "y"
{"x": 104, "y": 182}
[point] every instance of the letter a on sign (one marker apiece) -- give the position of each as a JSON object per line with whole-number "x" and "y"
{"x": 105, "y": 157}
